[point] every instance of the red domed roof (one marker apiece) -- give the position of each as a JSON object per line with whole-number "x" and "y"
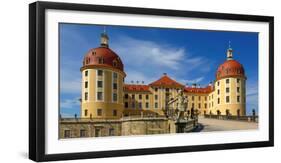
{"x": 103, "y": 56}
{"x": 230, "y": 68}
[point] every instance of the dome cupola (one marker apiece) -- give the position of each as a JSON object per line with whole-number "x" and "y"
{"x": 230, "y": 68}
{"x": 103, "y": 56}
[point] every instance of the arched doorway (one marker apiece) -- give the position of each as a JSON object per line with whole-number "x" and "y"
{"x": 227, "y": 112}
{"x": 218, "y": 112}
{"x": 238, "y": 112}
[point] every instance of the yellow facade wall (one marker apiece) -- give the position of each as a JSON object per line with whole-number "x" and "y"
{"x": 91, "y": 106}
{"x": 205, "y": 103}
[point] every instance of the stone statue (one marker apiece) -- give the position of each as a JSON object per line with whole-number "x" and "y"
{"x": 182, "y": 105}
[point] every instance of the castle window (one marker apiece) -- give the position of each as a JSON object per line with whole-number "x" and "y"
{"x": 126, "y": 104}
{"x": 86, "y": 73}
{"x": 212, "y": 104}
{"x": 133, "y": 105}
{"x": 100, "y": 95}
{"x": 192, "y": 98}
{"x": 99, "y": 84}
{"x": 238, "y": 89}
{"x": 86, "y": 84}
{"x": 147, "y": 105}
{"x": 114, "y": 112}
{"x": 67, "y": 133}
{"x": 82, "y": 133}
{"x": 192, "y": 105}
{"x": 86, "y": 96}
{"x": 146, "y": 97}
{"x": 115, "y": 97}
{"x": 227, "y": 99}
{"x": 114, "y": 85}
{"x": 115, "y": 75}
{"x": 238, "y": 80}
{"x": 86, "y": 112}
{"x": 205, "y": 105}
{"x": 218, "y": 83}
{"x": 156, "y": 89}
{"x": 99, "y": 112}
{"x": 167, "y": 89}
{"x": 199, "y": 106}
{"x": 227, "y": 81}
{"x": 111, "y": 132}
{"x": 218, "y": 91}
{"x": 156, "y": 97}
{"x": 133, "y": 96}
{"x": 199, "y": 98}
{"x": 140, "y": 97}
{"x": 156, "y": 105}
{"x": 218, "y": 100}
{"x": 140, "y": 105}
{"x": 205, "y": 98}
{"x": 238, "y": 98}
{"x": 227, "y": 90}
{"x": 100, "y": 72}
{"x": 126, "y": 96}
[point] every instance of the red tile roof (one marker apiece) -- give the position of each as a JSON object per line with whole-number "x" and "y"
{"x": 106, "y": 55}
{"x": 165, "y": 80}
{"x": 135, "y": 87}
{"x": 207, "y": 89}
{"x": 230, "y": 68}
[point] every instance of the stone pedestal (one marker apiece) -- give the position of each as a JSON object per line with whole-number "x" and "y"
{"x": 181, "y": 125}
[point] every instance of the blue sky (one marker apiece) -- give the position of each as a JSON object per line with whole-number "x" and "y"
{"x": 188, "y": 56}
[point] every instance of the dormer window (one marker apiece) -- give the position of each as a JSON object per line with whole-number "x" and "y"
{"x": 115, "y": 63}
{"x": 87, "y": 60}
{"x": 101, "y": 60}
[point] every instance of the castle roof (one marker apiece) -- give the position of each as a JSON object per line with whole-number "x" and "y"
{"x": 203, "y": 90}
{"x": 230, "y": 68}
{"x": 165, "y": 80}
{"x": 136, "y": 87}
{"x": 104, "y": 57}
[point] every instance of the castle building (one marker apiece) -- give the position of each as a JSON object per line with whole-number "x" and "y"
{"x": 106, "y": 96}
{"x": 110, "y": 107}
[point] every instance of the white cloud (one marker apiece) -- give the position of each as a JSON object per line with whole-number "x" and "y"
{"x": 146, "y": 60}
{"x": 151, "y": 54}
{"x": 191, "y": 81}
{"x": 139, "y": 76}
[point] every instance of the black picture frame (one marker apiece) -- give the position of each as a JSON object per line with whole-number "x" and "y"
{"x": 37, "y": 80}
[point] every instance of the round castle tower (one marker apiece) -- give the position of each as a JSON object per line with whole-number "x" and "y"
{"x": 102, "y": 83}
{"x": 230, "y": 88}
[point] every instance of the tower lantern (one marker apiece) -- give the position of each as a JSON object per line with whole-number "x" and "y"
{"x": 229, "y": 52}
{"x": 104, "y": 39}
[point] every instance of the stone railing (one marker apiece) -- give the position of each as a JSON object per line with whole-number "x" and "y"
{"x": 238, "y": 118}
